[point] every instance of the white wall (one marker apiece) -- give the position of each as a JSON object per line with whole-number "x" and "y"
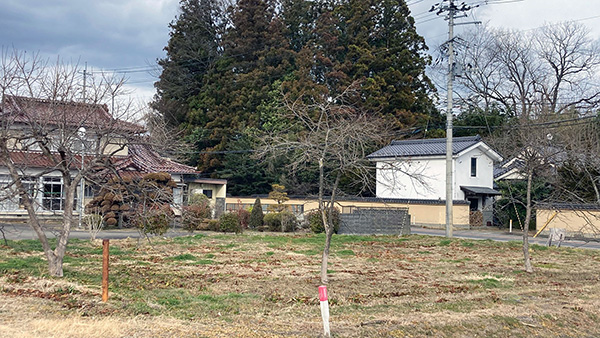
{"x": 462, "y": 172}
{"x": 422, "y": 178}
{"x": 400, "y": 179}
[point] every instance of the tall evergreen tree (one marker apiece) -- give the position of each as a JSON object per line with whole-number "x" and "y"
{"x": 192, "y": 50}
{"x": 372, "y": 42}
{"x": 256, "y": 54}
{"x": 385, "y": 53}
{"x": 308, "y": 50}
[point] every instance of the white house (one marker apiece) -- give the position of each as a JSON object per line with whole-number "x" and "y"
{"x": 416, "y": 169}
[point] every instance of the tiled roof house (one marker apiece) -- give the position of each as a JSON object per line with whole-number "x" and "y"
{"x": 416, "y": 169}
{"x": 128, "y": 157}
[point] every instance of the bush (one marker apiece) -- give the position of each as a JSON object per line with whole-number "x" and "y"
{"x": 94, "y": 224}
{"x": 154, "y": 221}
{"x": 213, "y": 225}
{"x": 274, "y": 221}
{"x": 196, "y": 212}
{"x": 229, "y": 222}
{"x": 289, "y": 221}
{"x": 243, "y": 217}
{"x": 316, "y": 223}
{"x": 256, "y": 216}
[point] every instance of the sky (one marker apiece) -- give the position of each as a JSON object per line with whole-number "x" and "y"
{"x": 128, "y": 36}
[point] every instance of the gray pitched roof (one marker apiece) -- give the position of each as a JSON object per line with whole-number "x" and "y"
{"x": 424, "y": 147}
{"x": 479, "y": 190}
{"x": 507, "y": 166}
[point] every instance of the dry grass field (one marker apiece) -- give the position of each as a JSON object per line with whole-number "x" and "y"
{"x": 265, "y": 285}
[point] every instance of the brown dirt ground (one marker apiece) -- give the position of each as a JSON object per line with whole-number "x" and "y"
{"x": 259, "y": 285}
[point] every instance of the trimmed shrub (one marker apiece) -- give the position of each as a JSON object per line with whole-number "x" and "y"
{"x": 256, "y": 216}
{"x": 284, "y": 221}
{"x": 316, "y": 223}
{"x": 272, "y": 221}
{"x": 194, "y": 214}
{"x": 229, "y": 222}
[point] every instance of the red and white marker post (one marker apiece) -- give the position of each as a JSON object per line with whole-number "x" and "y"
{"x": 324, "y": 310}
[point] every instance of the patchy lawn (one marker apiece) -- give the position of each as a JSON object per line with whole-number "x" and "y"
{"x": 265, "y": 285}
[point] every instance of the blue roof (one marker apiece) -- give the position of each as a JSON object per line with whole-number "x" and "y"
{"x": 424, "y": 147}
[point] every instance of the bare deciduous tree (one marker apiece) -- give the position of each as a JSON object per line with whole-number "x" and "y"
{"x": 50, "y": 140}
{"x": 542, "y": 78}
{"x": 553, "y": 69}
{"x": 333, "y": 137}
{"x": 532, "y": 145}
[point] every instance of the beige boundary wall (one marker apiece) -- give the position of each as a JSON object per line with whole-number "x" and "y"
{"x": 425, "y": 213}
{"x": 576, "y": 221}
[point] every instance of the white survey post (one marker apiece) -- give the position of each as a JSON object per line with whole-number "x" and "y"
{"x": 324, "y": 309}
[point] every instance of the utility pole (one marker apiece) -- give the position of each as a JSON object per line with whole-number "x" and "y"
{"x": 452, "y": 10}
{"x": 85, "y": 74}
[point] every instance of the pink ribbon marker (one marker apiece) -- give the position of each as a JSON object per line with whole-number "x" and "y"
{"x": 323, "y": 293}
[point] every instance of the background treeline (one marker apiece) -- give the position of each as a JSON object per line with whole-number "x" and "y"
{"x": 229, "y": 66}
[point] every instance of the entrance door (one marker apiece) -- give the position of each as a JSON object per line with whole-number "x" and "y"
{"x": 474, "y": 204}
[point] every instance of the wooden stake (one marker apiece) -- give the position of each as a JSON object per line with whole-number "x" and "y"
{"x": 545, "y": 225}
{"x": 105, "y": 270}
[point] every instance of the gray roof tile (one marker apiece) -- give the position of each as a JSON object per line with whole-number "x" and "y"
{"x": 424, "y": 147}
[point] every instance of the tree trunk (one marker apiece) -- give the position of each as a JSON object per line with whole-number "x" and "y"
{"x": 526, "y": 256}
{"x": 327, "y": 218}
{"x": 55, "y": 264}
{"x": 325, "y": 258}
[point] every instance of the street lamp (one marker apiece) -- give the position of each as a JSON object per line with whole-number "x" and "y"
{"x": 81, "y": 134}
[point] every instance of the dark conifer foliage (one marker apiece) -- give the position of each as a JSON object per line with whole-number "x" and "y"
{"x": 223, "y": 83}
{"x": 192, "y": 50}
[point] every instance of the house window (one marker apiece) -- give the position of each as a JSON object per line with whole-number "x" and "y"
{"x": 473, "y": 166}
{"x": 297, "y": 209}
{"x": 29, "y": 183}
{"x": 207, "y": 193}
{"x": 88, "y": 191}
{"x": 52, "y": 197}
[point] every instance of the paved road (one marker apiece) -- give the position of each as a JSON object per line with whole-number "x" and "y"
{"x": 503, "y": 236}
{"x": 23, "y": 231}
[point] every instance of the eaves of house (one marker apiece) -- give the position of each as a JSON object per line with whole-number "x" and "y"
{"x": 432, "y": 148}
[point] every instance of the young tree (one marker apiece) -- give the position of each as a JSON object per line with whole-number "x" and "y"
{"x": 49, "y": 142}
{"x": 538, "y": 156}
{"x": 334, "y": 138}
{"x": 153, "y": 196}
